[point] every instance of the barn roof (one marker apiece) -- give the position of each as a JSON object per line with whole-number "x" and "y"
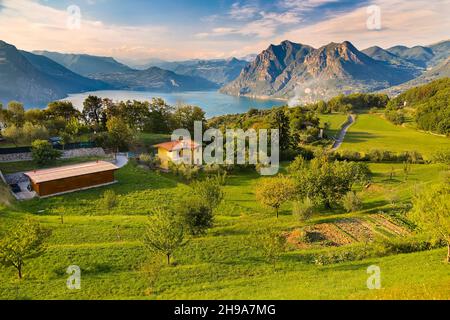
{"x": 45, "y": 175}
{"x": 177, "y": 145}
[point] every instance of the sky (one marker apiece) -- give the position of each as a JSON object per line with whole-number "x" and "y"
{"x": 135, "y": 31}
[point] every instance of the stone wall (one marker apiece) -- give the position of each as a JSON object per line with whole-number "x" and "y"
{"x": 75, "y": 153}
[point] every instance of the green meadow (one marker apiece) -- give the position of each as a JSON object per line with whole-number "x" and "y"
{"x": 371, "y": 131}
{"x": 107, "y": 246}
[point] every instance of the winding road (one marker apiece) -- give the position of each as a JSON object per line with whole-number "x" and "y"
{"x": 351, "y": 119}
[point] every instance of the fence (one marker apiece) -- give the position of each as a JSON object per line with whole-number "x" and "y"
{"x": 68, "y": 146}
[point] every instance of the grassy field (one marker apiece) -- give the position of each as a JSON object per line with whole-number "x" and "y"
{"x": 107, "y": 245}
{"x": 373, "y": 132}
{"x": 335, "y": 122}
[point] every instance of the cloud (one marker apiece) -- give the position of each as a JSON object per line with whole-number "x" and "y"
{"x": 33, "y": 26}
{"x": 402, "y": 22}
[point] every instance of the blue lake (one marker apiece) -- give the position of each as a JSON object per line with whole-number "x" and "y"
{"x": 213, "y": 103}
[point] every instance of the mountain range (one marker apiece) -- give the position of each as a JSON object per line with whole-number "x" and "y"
{"x": 289, "y": 71}
{"x": 218, "y": 71}
{"x": 34, "y": 79}
{"x": 305, "y": 74}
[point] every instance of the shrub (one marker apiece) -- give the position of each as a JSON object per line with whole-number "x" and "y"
{"x": 108, "y": 200}
{"x": 43, "y": 152}
{"x": 209, "y": 191}
{"x": 351, "y": 202}
{"x": 196, "y": 215}
{"x": 303, "y": 209}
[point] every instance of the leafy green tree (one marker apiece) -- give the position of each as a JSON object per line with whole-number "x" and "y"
{"x": 431, "y": 213}
{"x": 351, "y": 202}
{"x": 13, "y": 134}
{"x": 273, "y": 192}
{"x": 279, "y": 120}
{"x": 303, "y": 209}
{"x": 185, "y": 116}
{"x": 94, "y": 112}
{"x": 32, "y": 132}
{"x": 159, "y": 117}
{"x": 62, "y": 109}
{"x": 16, "y": 113}
{"x": 35, "y": 116}
{"x": 23, "y": 241}
{"x": 42, "y": 152}
{"x": 120, "y": 135}
{"x": 196, "y": 215}
{"x": 164, "y": 234}
{"x": 326, "y": 182}
{"x": 209, "y": 190}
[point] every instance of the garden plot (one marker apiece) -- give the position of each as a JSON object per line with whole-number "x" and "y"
{"x": 345, "y": 231}
{"x": 382, "y": 222}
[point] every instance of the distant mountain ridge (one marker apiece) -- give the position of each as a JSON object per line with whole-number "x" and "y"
{"x": 301, "y": 72}
{"x": 85, "y": 64}
{"x": 219, "y": 71}
{"x": 154, "y": 79}
{"x": 36, "y": 80}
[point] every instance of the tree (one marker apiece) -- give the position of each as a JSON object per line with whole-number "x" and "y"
{"x": 13, "y": 134}
{"x": 42, "y": 152}
{"x": 159, "y": 117}
{"x": 209, "y": 190}
{"x": 279, "y": 120}
{"x": 431, "y": 213}
{"x": 326, "y": 182}
{"x": 33, "y": 132}
{"x": 164, "y": 234}
{"x": 23, "y": 241}
{"x": 196, "y": 215}
{"x": 351, "y": 202}
{"x": 16, "y": 113}
{"x": 120, "y": 135}
{"x": 273, "y": 192}
{"x": 62, "y": 109}
{"x": 93, "y": 112}
{"x": 185, "y": 116}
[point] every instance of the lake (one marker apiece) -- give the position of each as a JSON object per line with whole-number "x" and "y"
{"x": 213, "y": 103}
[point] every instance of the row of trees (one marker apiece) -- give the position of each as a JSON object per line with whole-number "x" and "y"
{"x": 348, "y": 103}
{"x": 110, "y": 124}
{"x": 319, "y": 181}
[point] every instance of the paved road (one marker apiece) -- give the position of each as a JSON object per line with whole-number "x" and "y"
{"x": 351, "y": 119}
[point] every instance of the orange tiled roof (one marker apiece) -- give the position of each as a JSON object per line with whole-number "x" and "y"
{"x": 45, "y": 175}
{"x": 177, "y": 145}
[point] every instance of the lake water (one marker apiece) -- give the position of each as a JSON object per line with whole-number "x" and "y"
{"x": 213, "y": 103}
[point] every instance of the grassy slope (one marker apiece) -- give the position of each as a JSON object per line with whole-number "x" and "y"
{"x": 107, "y": 247}
{"x": 335, "y": 121}
{"x": 373, "y": 132}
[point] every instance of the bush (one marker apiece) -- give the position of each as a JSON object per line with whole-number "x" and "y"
{"x": 108, "y": 200}
{"x": 196, "y": 216}
{"x": 150, "y": 161}
{"x": 351, "y": 202}
{"x": 303, "y": 209}
{"x": 43, "y": 152}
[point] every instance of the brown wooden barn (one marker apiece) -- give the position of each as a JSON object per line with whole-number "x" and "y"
{"x": 54, "y": 181}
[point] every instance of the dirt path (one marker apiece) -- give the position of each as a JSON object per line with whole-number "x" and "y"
{"x": 351, "y": 119}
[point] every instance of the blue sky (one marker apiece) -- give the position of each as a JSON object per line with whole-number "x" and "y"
{"x": 137, "y": 30}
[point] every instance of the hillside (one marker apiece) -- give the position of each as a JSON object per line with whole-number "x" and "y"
{"x": 300, "y": 71}
{"x": 218, "y": 71}
{"x": 154, "y": 79}
{"x": 37, "y": 80}
{"x": 84, "y": 64}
